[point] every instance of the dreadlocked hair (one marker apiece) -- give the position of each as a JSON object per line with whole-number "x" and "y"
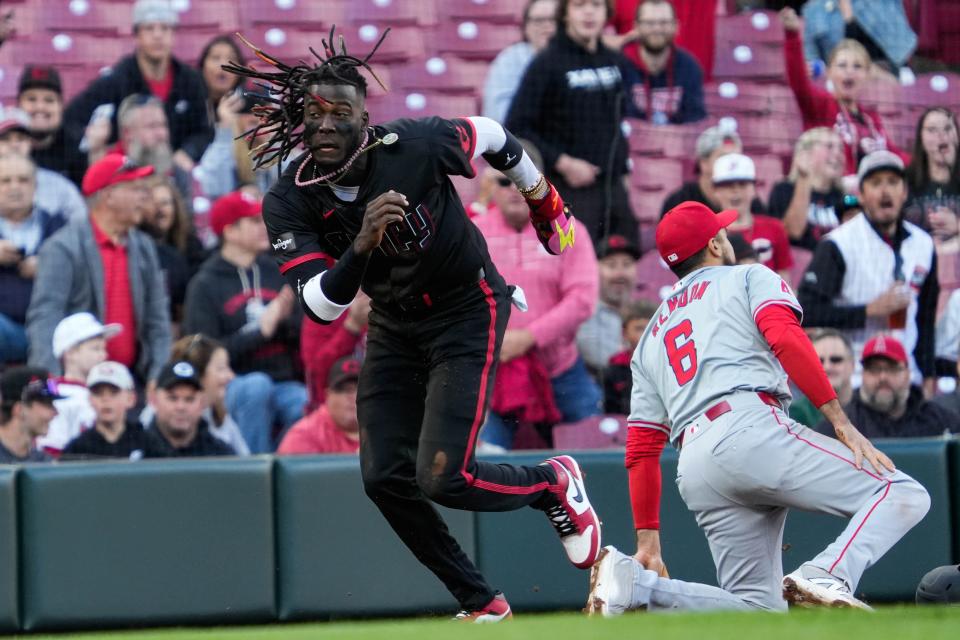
{"x": 281, "y": 108}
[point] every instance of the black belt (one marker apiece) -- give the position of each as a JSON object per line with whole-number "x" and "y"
{"x": 423, "y": 303}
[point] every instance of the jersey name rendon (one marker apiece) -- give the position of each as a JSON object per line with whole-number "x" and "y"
{"x": 679, "y": 301}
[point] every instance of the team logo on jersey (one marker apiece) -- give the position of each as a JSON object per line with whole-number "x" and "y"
{"x": 284, "y": 242}
{"x": 465, "y": 143}
{"x": 413, "y": 235}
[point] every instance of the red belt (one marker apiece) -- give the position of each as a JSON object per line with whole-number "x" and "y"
{"x": 723, "y": 407}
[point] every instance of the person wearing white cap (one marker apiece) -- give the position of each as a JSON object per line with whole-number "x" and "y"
{"x": 152, "y": 69}
{"x": 113, "y": 434}
{"x": 734, "y": 187}
{"x": 877, "y": 272}
{"x": 80, "y": 344}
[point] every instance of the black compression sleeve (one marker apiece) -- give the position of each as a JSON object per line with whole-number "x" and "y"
{"x": 508, "y": 156}
{"x": 342, "y": 281}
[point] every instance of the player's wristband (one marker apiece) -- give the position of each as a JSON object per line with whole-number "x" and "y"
{"x": 550, "y": 217}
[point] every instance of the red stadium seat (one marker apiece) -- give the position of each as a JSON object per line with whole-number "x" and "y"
{"x": 402, "y": 44}
{"x": 474, "y": 40}
{"x": 221, "y": 15}
{"x": 506, "y": 11}
{"x": 654, "y": 278}
{"x": 88, "y": 17}
{"x": 398, "y": 104}
{"x": 392, "y": 13}
{"x": 933, "y": 89}
{"x": 303, "y": 14}
{"x": 732, "y": 97}
{"x": 595, "y": 432}
{"x": 769, "y": 171}
{"x": 63, "y": 50}
{"x": 748, "y": 61}
{"x": 9, "y": 78}
{"x": 750, "y": 27}
{"x": 664, "y": 174}
{"x": 671, "y": 140}
{"x": 646, "y": 203}
{"x": 442, "y": 75}
{"x": 188, "y": 45}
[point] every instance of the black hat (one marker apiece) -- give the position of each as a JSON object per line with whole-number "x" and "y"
{"x": 175, "y": 373}
{"x": 27, "y": 384}
{"x": 617, "y": 244}
{"x": 37, "y": 76}
{"x": 343, "y": 370}
{"x": 742, "y": 250}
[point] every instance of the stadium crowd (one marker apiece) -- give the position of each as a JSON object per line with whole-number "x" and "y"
{"x": 142, "y": 315}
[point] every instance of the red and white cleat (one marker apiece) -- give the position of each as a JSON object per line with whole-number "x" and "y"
{"x": 496, "y": 610}
{"x": 574, "y": 519}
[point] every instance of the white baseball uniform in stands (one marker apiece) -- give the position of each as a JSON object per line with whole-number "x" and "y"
{"x": 705, "y": 375}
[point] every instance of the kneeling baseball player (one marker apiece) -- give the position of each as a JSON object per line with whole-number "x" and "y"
{"x": 710, "y": 376}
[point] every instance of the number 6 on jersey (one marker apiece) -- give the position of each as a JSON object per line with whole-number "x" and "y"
{"x": 681, "y": 351}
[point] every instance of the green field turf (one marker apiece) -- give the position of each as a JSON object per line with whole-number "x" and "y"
{"x": 889, "y": 623}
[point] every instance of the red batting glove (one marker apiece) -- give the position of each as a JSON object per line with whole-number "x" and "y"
{"x": 552, "y": 221}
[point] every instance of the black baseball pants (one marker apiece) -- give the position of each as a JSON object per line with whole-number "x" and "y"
{"x": 422, "y": 398}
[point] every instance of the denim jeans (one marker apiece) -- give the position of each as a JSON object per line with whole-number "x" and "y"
{"x": 258, "y": 403}
{"x": 575, "y": 392}
{"x": 13, "y": 341}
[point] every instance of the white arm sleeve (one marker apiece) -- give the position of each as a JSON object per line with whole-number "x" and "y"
{"x": 491, "y": 138}
{"x": 314, "y": 298}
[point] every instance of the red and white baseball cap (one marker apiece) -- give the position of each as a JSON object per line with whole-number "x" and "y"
{"x": 112, "y": 169}
{"x": 734, "y": 167}
{"x": 687, "y": 228}
{"x": 232, "y": 207}
{"x": 885, "y": 347}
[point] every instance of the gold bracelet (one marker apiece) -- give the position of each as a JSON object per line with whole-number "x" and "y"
{"x": 537, "y": 191}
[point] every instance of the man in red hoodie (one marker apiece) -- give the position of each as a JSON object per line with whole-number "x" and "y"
{"x": 333, "y": 428}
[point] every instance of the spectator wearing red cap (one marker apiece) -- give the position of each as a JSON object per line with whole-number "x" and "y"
{"x": 877, "y": 272}
{"x": 333, "y": 428}
{"x": 24, "y": 227}
{"x": 152, "y": 70}
{"x": 54, "y": 193}
{"x": 734, "y": 187}
{"x": 104, "y": 265}
{"x": 240, "y": 299}
{"x": 40, "y": 96}
{"x": 886, "y": 405}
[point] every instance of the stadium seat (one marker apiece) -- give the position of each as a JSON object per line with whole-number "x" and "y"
{"x": 750, "y": 27}
{"x": 595, "y": 432}
{"x": 670, "y": 140}
{"x": 9, "y": 77}
{"x": 399, "y": 104}
{"x": 188, "y": 45}
{"x": 63, "y": 50}
{"x": 210, "y": 14}
{"x": 441, "y": 75}
{"x": 654, "y": 278}
{"x": 87, "y": 17}
{"x": 661, "y": 174}
{"x": 505, "y": 11}
{"x": 646, "y": 203}
{"x": 473, "y": 40}
{"x": 300, "y": 13}
{"x": 769, "y": 171}
{"x": 732, "y": 97}
{"x": 392, "y": 13}
{"x": 748, "y": 61}
{"x": 401, "y": 45}
{"x": 933, "y": 89}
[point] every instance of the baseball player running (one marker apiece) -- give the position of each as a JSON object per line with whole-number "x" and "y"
{"x": 710, "y": 375}
{"x": 373, "y": 206}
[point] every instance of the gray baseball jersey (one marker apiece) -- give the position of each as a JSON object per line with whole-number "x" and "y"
{"x": 703, "y": 344}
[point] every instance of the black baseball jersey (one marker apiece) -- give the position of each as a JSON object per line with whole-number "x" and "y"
{"x": 435, "y": 249}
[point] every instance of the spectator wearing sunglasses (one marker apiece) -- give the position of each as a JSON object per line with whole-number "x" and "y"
{"x": 26, "y": 409}
{"x": 887, "y": 405}
{"x": 836, "y": 356}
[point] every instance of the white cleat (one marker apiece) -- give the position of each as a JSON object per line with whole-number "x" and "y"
{"x": 611, "y": 584}
{"x": 819, "y": 591}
